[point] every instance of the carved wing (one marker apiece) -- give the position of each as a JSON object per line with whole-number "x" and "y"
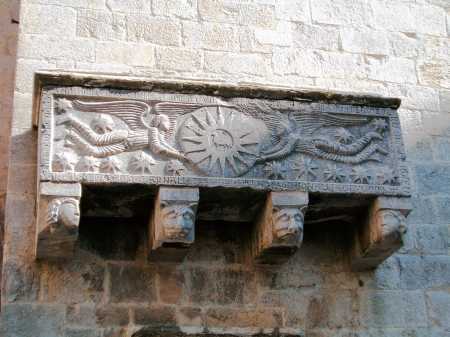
{"x": 275, "y": 121}
{"x": 310, "y": 122}
{"x": 131, "y": 112}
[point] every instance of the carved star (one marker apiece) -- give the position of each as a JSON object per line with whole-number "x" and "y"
{"x": 379, "y": 124}
{"x": 63, "y": 162}
{"x": 141, "y": 163}
{"x": 387, "y": 176}
{"x": 275, "y": 170}
{"x": 87, "y": 164}
{"x": 360, "y": 175}
{"x": 175, "y": 168}
{"x": 110, "y": 165}
{"x": 335, "y": 174}
{"x": 343, "y": 136}
{"x": 305, "y": 168}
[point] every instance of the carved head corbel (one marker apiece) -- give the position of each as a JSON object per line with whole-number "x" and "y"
{"x": 63, "y": 213}
{"x": 178, "y": 219}
{"x": 288, "y": 223}
{"x": 392, "y": 224}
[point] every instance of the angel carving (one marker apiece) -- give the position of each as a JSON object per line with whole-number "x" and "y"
{"x": 148, "y": 127}
{"x": 300, "y": 132}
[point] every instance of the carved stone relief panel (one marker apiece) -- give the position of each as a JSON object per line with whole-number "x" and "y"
{"x": 103, "y": 135}
{"x": 179, "y": 139}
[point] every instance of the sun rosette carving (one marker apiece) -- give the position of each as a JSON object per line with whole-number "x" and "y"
{"x": 221, "y": 141}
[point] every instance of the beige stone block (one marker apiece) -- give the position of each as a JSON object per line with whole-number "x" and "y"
{"x": 340, "y": 12}
{"x": 365, "y": 41}
{"x": 51, "y": 47}
{"x": 101, "y": 25}
{"x": 25, "y": 70}
{"x": 129, "y": 6}
{"x": 230, "y": 63}
{"x": 315, "y": 37}
{"x": 155, "y": 30}
{"x": 293, "y": 10}
{"x": 392, "y": 69}
{"x": 237, "y": 12}
{"x": 132, "y": 54}
{"x": 179, "y": 59}
{"x": 49, "y": 20}
{"x": 434, "y": 73}
{"x": 22, "y": 117}
{"x": 184, "y": 9}
{"x": 210, "y": 36}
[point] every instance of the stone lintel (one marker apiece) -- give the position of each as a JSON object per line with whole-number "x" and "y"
{"x": 278, "y": 232}
{"x": 382, "y": 233}
{"x": 172, "y": 223}
{"x": 58, "y": 217}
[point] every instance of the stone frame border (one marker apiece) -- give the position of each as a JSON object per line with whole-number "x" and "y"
{"x": 69, "y": 83}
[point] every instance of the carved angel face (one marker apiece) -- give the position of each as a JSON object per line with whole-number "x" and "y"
{"x": 178, "y": 220}
{"x": 288, "y": 223}
{"x": 102, "y": 124}
{"x": 392, "y": 224}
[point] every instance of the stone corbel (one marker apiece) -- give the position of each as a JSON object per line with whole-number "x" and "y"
{"x": 382, "y": 233}
{"x": 58, "y": 217}
{"x": 278, "y": 232}
{"x": 172, "y": 224}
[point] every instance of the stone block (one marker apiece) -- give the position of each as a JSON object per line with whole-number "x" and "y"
{"x": 82, "y": 332}
{"x": 58, "y": 218}
{"x": 155, "y": 30}
{"x": 432, "y": 240}
{"x": 306, "y": 36}
{"x": 293, "y": 10}
{"x": 32, "y": 320}
{"x": 434, "y": 73}
{"x": 236, "y": 12}
{"x": 439, "y": 307}
{"x": 381, "y": 309}
{"x": 94, "y": 4}
{"x": 440, "y": 148}
{"x": 232, "y": 318}
{"x": 130, "y": 6}
{"x": 101, "y": 25}
{"x": 418, "y": 147}
{"x": 416, "y": 97}
{"x": 220, "y": 286}
{"x": 21, "y": 119}
{"x": 230, "y": 63}
{"x": 404, "y": 44}
{"x": 341, "y": 12}
{"x": 391, "y": 69}
{"x": 20, "y": 282}
{"x": 441, "y": 209}
{"x": 172, "y": 224}
{"x": 364, "y": 41}
{"x": 210, "y": 36}
{"x": 22, "y": 148}
{"x": 25, "y": 70}
{"x": 133, "y": 54}
{"x": 170, "y": 285}
{"x": 42, "y": 47}
{"x": 81, "y": 315}
{"x": 48, "y": 20}
{"x": 178, "y": 59}
{"x": 112, "y": 315}
{"x": 132, "y": 283}
{"x": 432, "y": 179}
{"x": 444, "y": 100}
{"x": 281, "y": 35}
{"x": 155, "y": 316}
{"x": 184, "y": 9}
{"x": 278, "y": 231}
{"x": 189, "y": 316}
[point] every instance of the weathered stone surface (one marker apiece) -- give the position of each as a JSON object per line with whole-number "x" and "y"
{"x": 32, "y": 320}
{"x": 132, "y": 284}
{"x": 155, "y": 30}
{"x": 439, "y": 307}
{"x": 210, "y": 36}
{"x": 112, "y": 315}
{"x": 231, "y": 318}
{"x": 101, "y": 25}
{"x": 185, "y": 9}
{"x": 155, "y": 316}
{"x": 177, "y": 59}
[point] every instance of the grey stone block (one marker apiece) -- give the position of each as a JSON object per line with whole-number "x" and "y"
{"x": 432, "y": 239}
{"x": 439, "y": 307}
{"x": 433, "y": 179}
{"x": 32, "y": 320}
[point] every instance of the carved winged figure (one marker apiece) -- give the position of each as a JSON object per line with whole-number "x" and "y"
{"x": 147, "y": 127}
{"x": 297, "y": 132}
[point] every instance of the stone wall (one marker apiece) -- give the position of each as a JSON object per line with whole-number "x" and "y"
{"x": 9, "y": 20}
{"x": 396, "y": 48}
